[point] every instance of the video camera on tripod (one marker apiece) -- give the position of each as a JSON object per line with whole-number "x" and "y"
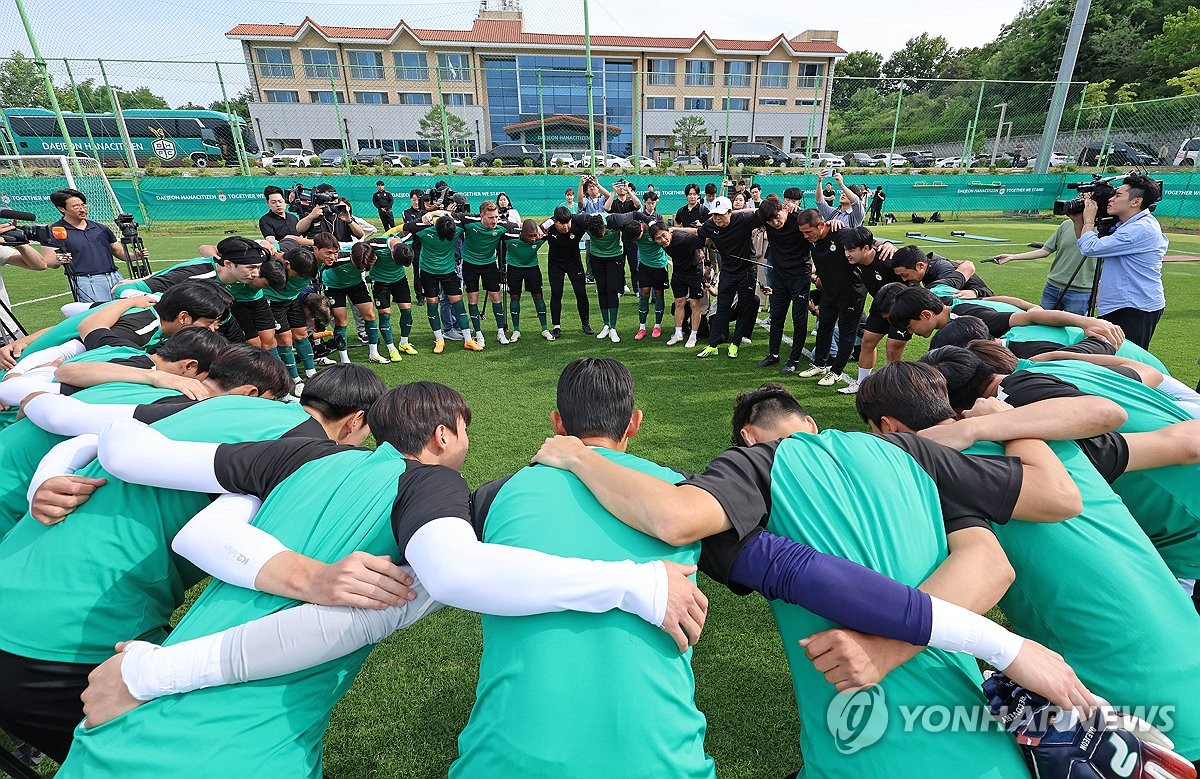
{"x": 1102, "y": 189}
{"x": 302, "y": 200}
{"x": 135, "y": 251}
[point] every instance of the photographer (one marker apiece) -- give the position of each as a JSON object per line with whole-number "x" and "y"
{"x": 1069, "y": 284}
{"x": 92, "y": 247}
{"x": 23, "y": 256}
{"x": 1131, "y": 289}
{"x": 278, "y": 223}
{"x": 331, "y": 217}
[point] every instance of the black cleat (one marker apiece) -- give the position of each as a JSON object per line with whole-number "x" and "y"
{"x": 768, "y": 361}
{"x": 788, "y": 369}
{"x": 587, "y": 330}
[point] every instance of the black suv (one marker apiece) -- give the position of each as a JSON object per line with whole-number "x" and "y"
{"x": 757, "y": 153}
{"x": 368, "y": 156}
{"x": 1119, "y": 153}
{"x": 918, "y": 159}
{"x": 511, "y": 154}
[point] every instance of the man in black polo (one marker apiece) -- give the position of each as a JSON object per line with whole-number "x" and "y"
{"x": 686, "y": 251}
{"x": 92, "y": 246}
{"x": 279, "y": 223}
{"x": 563, "y": 232}
{"x": 693, "y": 213}
{"x": 791, "y": 279}
{"x": 382, "y": 200}
{"x": 730, "y": 232}
{"x": 842, "y": 298}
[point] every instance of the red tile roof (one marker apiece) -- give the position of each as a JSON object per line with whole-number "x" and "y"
{"x": 511, "y": 31}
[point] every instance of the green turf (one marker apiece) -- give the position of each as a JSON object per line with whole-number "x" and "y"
{"x": 402, "y": 717}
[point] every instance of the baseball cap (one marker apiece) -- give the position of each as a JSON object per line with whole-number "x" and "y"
{"x": 721, "y": 205}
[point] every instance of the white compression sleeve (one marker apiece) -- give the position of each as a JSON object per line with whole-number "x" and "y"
{"x": 16, "y": 389}
{"x": 63, "y": 460}
{"x": 281, "y": 643}
{"x": 64, "y": 415}
{"x": 139, "y": 454}
{"x": 48, "y": 355}
{"x": 460, "y": 570}
{"x": 1178, "y": 390}
{"x": 221, "y": 541}
{"x": 956, "y": 629}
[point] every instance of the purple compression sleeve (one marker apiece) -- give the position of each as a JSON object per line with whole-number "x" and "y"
{"x": 834, "y": 588}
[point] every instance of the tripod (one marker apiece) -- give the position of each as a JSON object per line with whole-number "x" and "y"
{"x": 138, "y": 266}
{"x": 1095, "y": 296}
{"x": 10, "y": 327}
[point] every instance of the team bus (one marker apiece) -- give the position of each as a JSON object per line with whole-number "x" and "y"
{"x": 169, "y": 136}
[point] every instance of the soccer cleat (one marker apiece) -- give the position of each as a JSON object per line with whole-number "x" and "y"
{"x": 813, "y": 370}
{"x": 768, "y": 361}
{"x": 708, "y": 351}
{"x": 733, "y": 350}
{"x": 788, "y": 369}
{"x": 325, "y": 361}
{"x": 472, "y": 346}
{"x": 851, "y": 389}
{"x": 439, "y": 347}
{"x": 361, "y": 332}
{"x": 407, "y": 349}
{"x": 691, "y": 342}
{"x": 641, "y": 333}
{"x": 603, "y": 333}
{"x": 656, "y": 332}
{"x": 380, "y": 359}
{"x": 516, "y": 336}
{"x": 478, "y": 338}
{"x": 587, "y": 330}
{"x": 829, "y": 379}
{"x": 501, "y": 336}
{"x": 747, "y": 342}
{"x": 612, "y": 336}
{"x": 557, "y": 331}
{"x": 549, "y": 336}
{"x": 394, "y": 353}
{"x": 674, "y": 340}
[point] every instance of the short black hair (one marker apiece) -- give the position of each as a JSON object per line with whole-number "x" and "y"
{"x": 658, "y": 227}
{"x": 908, "y": 304}
{"x": 326, "y": 241}
{"x": 341, "y": 390}
{"x": 201, "y": 299}
{"x": 379, "y": 183}
{"x": 793, "y": 193}
{"x": 596, "y": 225}
{"x": 275, "y": 273}
{"x": 60, "y": 197}
{"x": 407, "y": 416}
{"x": 631, "y": 231}
{"x": 911, "y": 392}
{"x": 240, "y": 364}
{"x": 755, "y": 186}
{"x": 710, "y": 189}
{"x": 193, "y": 343}
{"x": 445, "y": 227}
{"x": 417, "y": 192}
{"x": 810, "y": 217}
{"x": 1141, "y": 185}
{"x": 966, "y": 375}
{"x": 362, "y": 255}
{"x": 595, "y": 397}
{"x": 562, "y": 214}
{"x": 271, "y": 189}
{"x": 301, "y": 261}
{"x": 690, "y": 188}
{"x": 1000, "y": 359}
{"x": 769, "y": 209}
{"x": 650, "y": 195}
{"x": 763, "y": 406}
{"x": 856, "y": 238}
{"x": 907, "y": 257}
{"x": 241, "y": 251}
{"x": 324, "y": 187}
{"x": 959, "y": 332}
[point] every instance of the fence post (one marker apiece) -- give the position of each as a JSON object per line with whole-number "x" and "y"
{"x": 1075, "y": 129}
{"x": 50, "y": 93}
{"x": 895, "y": 126}
{"x": 130, "y": 155}
{"x": 965, "y": 162}
{"x": 343, "y": 133}
{"x": 445, "y": 119}
{"x": 542, "y": 119}
{"x": 725, "y": 151}
{"x": 1103, "y": 154}
{"x": 235, "y": 126}
{"x": 587, "y": 55}
{"x": 87, "y": 126}
{"x": 637, "y": 125}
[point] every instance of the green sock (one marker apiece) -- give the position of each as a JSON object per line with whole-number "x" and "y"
{"x": 476, "y": 325}
{"x": 304, "y": 347}
{"x": 514, "y": 310}
{"x": 405, "y": 325}
{"x": 612, "y": 314}
{"x": 643, "y": 308}
{"x": 539, "y": 305}
{"x": 460, "y": 311}
{"x": 498, "y": 312}
{"x": 385, "y": 328}
{"x": 660, "y": 306}
{"x": 372, "y": 331}
{"x": 435, "y": 320}
{"x": 288, "y": 357}
{"x": 339, "y": 335}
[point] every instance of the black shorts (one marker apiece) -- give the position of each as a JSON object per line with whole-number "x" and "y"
{"x": 253, "y": 316}
{"x": 385, "y": 291}
{"x": 877, "y": 324}
{"x": 655, "y": 278}
{"x": 289, "y": 315}
{"x": 685, "y": 284}
{"x": 358, "y": 295}
{"x": 473, "y": 273}
{"x": 450, "y": 283}
{"x": 524, "y": 278}
{"x": 39, "y": 701}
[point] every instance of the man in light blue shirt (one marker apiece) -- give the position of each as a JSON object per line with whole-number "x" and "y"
{"x": 1131, "y": 288}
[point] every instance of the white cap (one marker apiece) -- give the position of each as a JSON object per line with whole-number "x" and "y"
{"x": 721, "y": 205}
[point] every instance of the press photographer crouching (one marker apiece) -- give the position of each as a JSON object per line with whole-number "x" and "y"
{"x": 1130, "y": 288}
{"x": 93, "y": 249}
{"x": 320, "y": 211}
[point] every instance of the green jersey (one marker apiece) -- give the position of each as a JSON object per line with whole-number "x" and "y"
{"x": 651, "y": 254}
{"x": 573, "y": 694}
{"x": 437, "y": 256}
{"x": 291, "y": 290}
{"x": 385, "y": 269}
{"x": 368, "y": 501}
{"x": 479, "y": 245}
{"x": 341, "y": 275}
{"x": 108, "y": 571}
{"x": 1082, "y": 589}
{"x": 1164, "y": 501}
{"x": 198, "y": 269}
{"x": 24, "y": 444}
{"x": 521, "y": 254}
{"x": 607, "y": 246}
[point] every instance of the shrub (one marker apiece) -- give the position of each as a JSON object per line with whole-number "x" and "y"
{"x": 749, "y": 170}
{"x": 153, "y": 164}
{"x": 497, "y": 163}
{"x": 314, "y": 162}
{"x": 527, "y": 162}
{"x": 269, "y": 171}
{"x": 468, "y": 162}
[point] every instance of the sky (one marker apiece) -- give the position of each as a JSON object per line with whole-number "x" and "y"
{"x": 195, "y": 29}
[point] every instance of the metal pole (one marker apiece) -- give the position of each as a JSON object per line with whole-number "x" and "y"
{"x": 1062, "y": 84}
{"x": 808, "y": 150}
{"x": 1102, "y": 157}
{"x": 1075, "y": 130}
{"x": 445, "y": 119}
{"x": 235, "y": 127}
{"x": 999, "y": 130}
{"x": 587, "y": 55}
{"x": 542, "y": 117}
{"x": 50, "y": 93}
{"x": 725, "y": 151}
{"x": 895, "y": 126}
{"x": 337, "y": 110}
{"x": 637, "y": 125}
{"x": 87, "y": 126}
{"x": 966, "y": 160}
{"x": 119, "y": 116}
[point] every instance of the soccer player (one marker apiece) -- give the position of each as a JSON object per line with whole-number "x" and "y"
{"x": 606, "y": 257}
{"x": 389, "y": 281}
{"x": 863, "y": 252}
{"x": 916, "y": 267}
{"x": 791, "y": 279}
{"x": 652, "y": 276}
{"x": 343, "y": 279}
{"x": 624, "y": 200}
{"x": 480, "y": 238}
{"x": 563, "y": 232}
{"x": 730, "y": 232}
{"x": 842, "y": 297}
{"x": 686, "y": 251}
{"x": 524, "y": 272}
{"x": 292, "y": 333}
{"x": 438, "y": 276}
{"x": 1099, "y": 632}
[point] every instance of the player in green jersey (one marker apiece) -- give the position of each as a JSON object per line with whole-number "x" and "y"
{"x": 390, "y": 280}
{"x": 299, "y": 267}
{"x": 439, "y": 275}
{"x": 652, "y": 277}
{"x": 343, "y": 279}
{"x": 525, "y": 273}
{"x": 481, "y": 236}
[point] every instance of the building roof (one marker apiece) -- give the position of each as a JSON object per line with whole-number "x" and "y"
{"x": 561, "y": 120}
{"x": 511, "y": 33}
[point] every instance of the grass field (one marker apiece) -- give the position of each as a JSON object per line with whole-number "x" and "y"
{"x": 403, "y": 714}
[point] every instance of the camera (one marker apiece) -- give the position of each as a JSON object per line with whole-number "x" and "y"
{"x": 128, "y": 227}
{"x": 1102, "y": 188}
{"x": 26, "y": 233}
{"x": 303, "y": 199}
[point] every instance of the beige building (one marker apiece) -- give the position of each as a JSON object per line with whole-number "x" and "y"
{"x": 318, "y": 85}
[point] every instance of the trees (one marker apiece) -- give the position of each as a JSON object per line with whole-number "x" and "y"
{"x": 921, "y": 57}
{"x": 430, "y": 126}
{"x": 690, "y": 132}
{"x": 21, "y": 83}
{"x": 240, "y": 103}
{"x": 22, "y": 86}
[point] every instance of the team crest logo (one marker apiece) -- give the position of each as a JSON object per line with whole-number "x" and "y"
{"x": 4, "y": 198}
{"x": 857, "y": 718}
{"x": 221, "y": 196}
{"x": 164, "y": 147}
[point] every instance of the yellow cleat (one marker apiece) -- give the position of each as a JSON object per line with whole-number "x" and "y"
{"x": 471, "y": 346}
{"x": 407, "y": 349}
{"x": 439, "y": 347}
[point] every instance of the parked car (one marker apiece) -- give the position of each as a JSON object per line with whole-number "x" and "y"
{"x": 1117, "y": 153}
{"x": 860, "y": 160}
{"x": 368, "y": 156}
{"x": 395, "y": 160}
{"x": 1188, "y": 151}
{"x": 1056, "y": 160}
{"x": 918, "y": 159}
{"x": 603, "y": 161}
{"x": 898, "y": 160}
{"x": 686, "y": 159}
{"x": 561, "y": 158}
{"x": 295, "y": 157}
{"x": 332, "y": 158}
{"x": 511, "y": 154}
{"x": 1150, "y": 152}
{"x": 956, "y": 162}
{"x": 642, "y": 162}
{"x": 820, "y": 160}
{"x": 1005, "y": 159}
{"x": 758, "y": 153}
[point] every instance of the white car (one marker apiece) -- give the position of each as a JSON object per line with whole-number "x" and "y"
{"x": 605, "y": 161}
{"x": 642, "y": 162}
{"x": 1056, "y": 160}
{"x": 954, "y": 162}
{"x": 561, "y": 159}
{"x": 296, "y": 158}
{"x": 1188, "y": 151}
{"x": 898, "y": 160}
{"x": 825, "y": 161}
